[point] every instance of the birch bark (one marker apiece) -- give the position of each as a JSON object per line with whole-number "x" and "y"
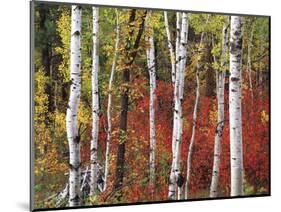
{"x": 150, "y": 54}
{"x": 178, "y": 34}
{"x": 109, "y": 103}
{"x": 220, "y": 116}
{"x": 176, "y": 84}
{"x": 73, "y": 136}
{"x": 235, "y": 122}
{"x": 95, "y": 102}
{"x": 182, "y": 65}
{"x": 176, "y": 179}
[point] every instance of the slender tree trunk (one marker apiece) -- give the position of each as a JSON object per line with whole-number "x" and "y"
{"x": 192, "y": 140}
{"x": 150, "y": 54}
{"x": 123, "y": 116}
{"x": 194, "y": 120}
{"x": 131, "y": 53}
{"x": 235, "y": 121}
{"x": 73, "y": 136}
{"x": 260, "y": 75}
{"x": 176, "y": 179}
{"x": 214, "y": 192}
{"x": 182, "y": 65}
{"x": 182, "y": 54}
{"x": 178, "y": 37}
{"x": 171, "y": 48}
{"x": 176, "y": 84}
{"x": 109, "y": 103}
{"x": 123, "y": 130}
{"x": 95, "y": 103}
{"x": 173, "y": 177}
{"x": 249, "y": 63}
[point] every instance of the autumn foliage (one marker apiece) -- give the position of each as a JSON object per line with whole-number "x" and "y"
{"x": 51, "y": 93}
{"x": 255, "y": 145}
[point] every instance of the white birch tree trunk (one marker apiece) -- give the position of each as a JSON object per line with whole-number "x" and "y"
{"x": 109, "y": 103}
{"x": 95, "y": 103}
{"x": 182, "y": 65}
{"x": 150, "y": 54}
{"x": 235, "y": 122}
{"x": 176, "y": 84}
{"x": 178, "y": 37}
{"x": 172, "y": 179}
{"x": 220, "y": 116}
{"x": 171, "y": 48}
{"x": 182, "y": 54}
{"x": 176, "y": 178}
{"x": 152, "y": 85}
{"x": 73, "y": 136}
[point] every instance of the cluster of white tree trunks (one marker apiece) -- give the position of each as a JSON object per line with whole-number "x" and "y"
{"x": 176, "y": 179}
{"x": 220, "y": 115}
{"x": 178, "y": 66}
{"x": 150, "y": 54}
{"x": 95, "y": 102}
{"x": 73, "y": 136}
{"x": 235, "y": 122}
{"x": 109, "y": 103}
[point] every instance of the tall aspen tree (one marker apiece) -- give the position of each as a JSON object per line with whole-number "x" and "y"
{"x": 235, "y": 120}
{"x": 95, "y": 103}
{"x": 150, "y": 54}
{"x": 220, "y": 116}
{"x": 176, "y": 179}
{"x": 73, "y": 136}
{"x": 109, "y": 102}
